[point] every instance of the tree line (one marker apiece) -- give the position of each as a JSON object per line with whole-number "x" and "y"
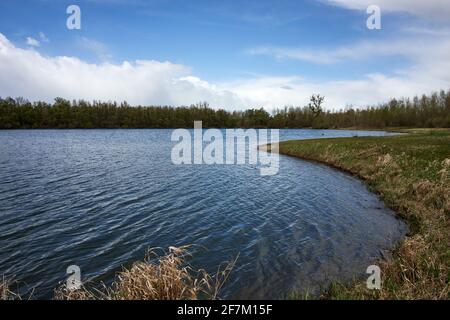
{"x": 426, "y": 111}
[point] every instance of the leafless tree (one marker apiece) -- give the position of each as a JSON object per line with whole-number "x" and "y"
{"x": 315, "y": 104}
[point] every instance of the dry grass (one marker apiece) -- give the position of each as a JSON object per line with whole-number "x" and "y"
{"x": 411, "y": 174}
{"x": 164, "y": 276}
{"x": 5, "y": 292}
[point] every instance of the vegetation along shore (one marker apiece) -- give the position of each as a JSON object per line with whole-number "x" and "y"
{"x": 411, "y": 173}
{"x": 162, "y": 275}
{"x": 420, "y": 112}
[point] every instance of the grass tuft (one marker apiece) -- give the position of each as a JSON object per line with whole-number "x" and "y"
{"x": 5, "y": 292}
{"x": 164, "y": 276}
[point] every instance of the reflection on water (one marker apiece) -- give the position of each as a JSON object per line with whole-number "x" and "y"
{"x": 100, "y": 198}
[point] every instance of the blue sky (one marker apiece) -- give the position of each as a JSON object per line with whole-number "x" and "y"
{"x": 234, "y": 54}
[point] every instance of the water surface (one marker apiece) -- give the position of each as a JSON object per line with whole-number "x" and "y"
{"x": 99, "y": 198}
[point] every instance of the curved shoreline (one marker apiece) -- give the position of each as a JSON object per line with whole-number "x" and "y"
{"x": 317, "y": 161}
{"x": 393, "y": 168}
{"x": 339, "y": 285}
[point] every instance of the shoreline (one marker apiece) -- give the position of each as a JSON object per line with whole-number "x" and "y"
{"x": 384, "y": 258}
{"x": 388, "y": 167}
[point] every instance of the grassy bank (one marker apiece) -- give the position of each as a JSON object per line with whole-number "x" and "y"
{"x": 411, "y": 173}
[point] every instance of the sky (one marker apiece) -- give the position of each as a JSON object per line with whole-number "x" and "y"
{"x": 232, "y": 54}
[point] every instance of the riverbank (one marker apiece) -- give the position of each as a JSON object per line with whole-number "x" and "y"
{"x": 411, "y": 173}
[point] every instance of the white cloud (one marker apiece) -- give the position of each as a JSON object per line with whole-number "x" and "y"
{"x": 432, "y": 9}
{"x": 365, "y": 50}
{"x": 428, "y": 71}
{"x": 370, "y": 90}
{"x": 27, "y": 73}
{"x": 33, "y": 42}
{"x": 43, "y": 37}
{"x": 296, "y": 54}
{"x": 430, "y": 32}
{"x": 98, "y": 48}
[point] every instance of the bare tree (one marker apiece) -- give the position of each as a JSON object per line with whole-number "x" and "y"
{"x": 315, "y": 104}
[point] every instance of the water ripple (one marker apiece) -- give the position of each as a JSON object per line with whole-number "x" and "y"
{"x": 100, "y": 198}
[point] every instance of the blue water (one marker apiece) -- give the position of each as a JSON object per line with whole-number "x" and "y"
{"x": 100, "y": 198}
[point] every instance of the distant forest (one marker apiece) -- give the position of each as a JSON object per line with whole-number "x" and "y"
{"x": 426, "y": 111}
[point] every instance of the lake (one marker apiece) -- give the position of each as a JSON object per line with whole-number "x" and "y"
{"x": 100, "y": 198}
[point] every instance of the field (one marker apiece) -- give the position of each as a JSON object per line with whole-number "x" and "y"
{"x": 411, "y": 173}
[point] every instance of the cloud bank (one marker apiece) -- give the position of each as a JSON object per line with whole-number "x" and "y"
{"x": 427, "y": 71}
{"x": 29, "y": 74}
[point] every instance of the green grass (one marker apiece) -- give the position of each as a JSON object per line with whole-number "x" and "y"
{"x": 411, "y": 173}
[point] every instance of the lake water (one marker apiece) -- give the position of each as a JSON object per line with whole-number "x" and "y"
{"x": 100, "y": 198}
